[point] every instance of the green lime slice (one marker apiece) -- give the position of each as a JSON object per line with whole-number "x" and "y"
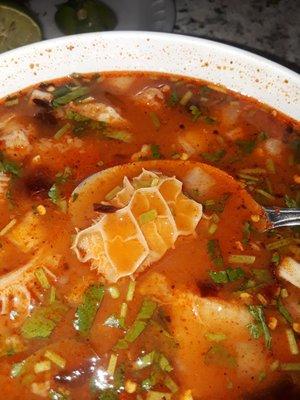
{"x": 16, "y": 28}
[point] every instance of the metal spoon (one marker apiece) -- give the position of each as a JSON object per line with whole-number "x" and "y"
{"x": 282, "y": 216}
{"x": 93, "y": 188}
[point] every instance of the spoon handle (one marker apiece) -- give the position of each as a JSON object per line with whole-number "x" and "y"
{"x": 283, "y": 216}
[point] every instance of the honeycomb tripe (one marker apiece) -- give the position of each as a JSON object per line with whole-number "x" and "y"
{"x": 151, "y": 212}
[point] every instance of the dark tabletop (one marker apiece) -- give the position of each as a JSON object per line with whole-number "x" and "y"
{"x": 267, "y": 27}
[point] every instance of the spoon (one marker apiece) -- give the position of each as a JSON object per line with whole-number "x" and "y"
{"x": 193, "y": 174}
{"x": 279, "y": 217}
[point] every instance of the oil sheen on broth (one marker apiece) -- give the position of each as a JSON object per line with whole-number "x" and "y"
{"x": 158, "y": 282}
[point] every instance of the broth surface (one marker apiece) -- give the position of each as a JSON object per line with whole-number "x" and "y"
{"x": 222, "y": 323}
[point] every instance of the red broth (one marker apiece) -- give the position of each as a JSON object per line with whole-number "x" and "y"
{"x": 218, "y": 326}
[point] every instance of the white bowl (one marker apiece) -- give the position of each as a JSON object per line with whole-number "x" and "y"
{"x": 236, "y": 69}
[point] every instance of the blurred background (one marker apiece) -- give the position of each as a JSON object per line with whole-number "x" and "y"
{"x": 268, "y": 27}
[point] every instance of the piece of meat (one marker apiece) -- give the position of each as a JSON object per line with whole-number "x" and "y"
{"x": 192, "y": 318}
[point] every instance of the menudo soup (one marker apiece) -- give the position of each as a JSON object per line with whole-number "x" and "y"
{"x": 155, "y": 279}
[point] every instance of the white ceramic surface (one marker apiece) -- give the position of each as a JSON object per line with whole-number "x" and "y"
{"x": 239, "y": 70}
{"x": 152, "y": 15}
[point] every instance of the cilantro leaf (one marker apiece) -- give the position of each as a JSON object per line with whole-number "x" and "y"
{"x": 173, "y": 99}
{"x": 246, "y": 146}
{"x": 257, "y": 313}
{"x": 10, "y": 167}
{"x": 54, "y": 194}
{"x": 86, "y": 312}
{"x": 196, "y": 113}
{"x": 43, "y": 320}
{"x": 290, "y": 202}
{"x": 71, "y": 95}
{"x": 283, "y": 311}
{"x": 214, "y": 156}
{"x": 214, "y": 251}
{"x": 155, "y": 151}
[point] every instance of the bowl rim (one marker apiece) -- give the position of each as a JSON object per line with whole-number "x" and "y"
{"x": 279, "y": 86}
{"x": 220, "y": 45}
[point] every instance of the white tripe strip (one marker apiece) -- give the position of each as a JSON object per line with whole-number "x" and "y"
{"x": 289, "y": 269}
{"x": 17, "y": 287}
{"x": 16, "y": 139}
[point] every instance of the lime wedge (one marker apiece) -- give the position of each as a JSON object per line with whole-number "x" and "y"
{"x": 17, "y": 28}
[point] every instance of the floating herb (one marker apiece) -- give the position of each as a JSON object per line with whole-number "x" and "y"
{"x": 10, "y": 167}
{"x": 247, "y": 229}
{"x": 257, "y": 313}
{"x": 64, "y": 129}
{"x": 173, "y": 99}
{"x": 283, "y": 311}
{"x": 43, "y": 320}
{"x": 195, "y": 112}
{"x": 246, "y": 146}
{"x": 63, "y": 177}
{"x": 290, "y": 202}
{"x": 121, "y": 136}
{"x": 209, "y": 120}
{"x": 218, "y": 205}
{"x": 87, "y": 310}
{"x": 71, "y": 95}
{"x": 214, "y": 251}
{"x": 229, "y": 275}
{"x": 214, "y": 157}
{"x": 146, "y": 311}
{"x": 155, "y": 154}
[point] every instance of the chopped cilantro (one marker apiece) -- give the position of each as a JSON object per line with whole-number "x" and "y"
{"x": 283, "y": 311}
{"x": 290, "y": 202}
{"x": 56, "y": 395}
{"x": 255, "y": 330}
{"x": 205, "y": 90}
{"x": 69, "y": 96}
{"x": 108, "y": 394}
{"x": 155, "y": 151}
{"x": 122, "y": 136}
{"x": 210, "y": 120}
{"x": 10, "y": 167}
{"x": 86, "y": 312}
{"x": 219, "y": 276}
{"x": 229, "y": 275}
{"x": 246, "y": 146}
{"x": 75, "y": 116}
{"x": 257, "y": 313}
{"x": 173, "y": 99}
{"x": 196, "y": 113}
{"x": 262, "y": 136}
{"x": 43, "y": 320}
{"x": 218, "y": 205}
{"x": 247, "y": 229}
{"x": 144, "y": 315}
{"x": 214, "y": 251}
{"x": 275, "y": 258}
{"x": 214, "y": 156}
{"x": 62, "y": 177}
{"x": 54, "y": 194}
